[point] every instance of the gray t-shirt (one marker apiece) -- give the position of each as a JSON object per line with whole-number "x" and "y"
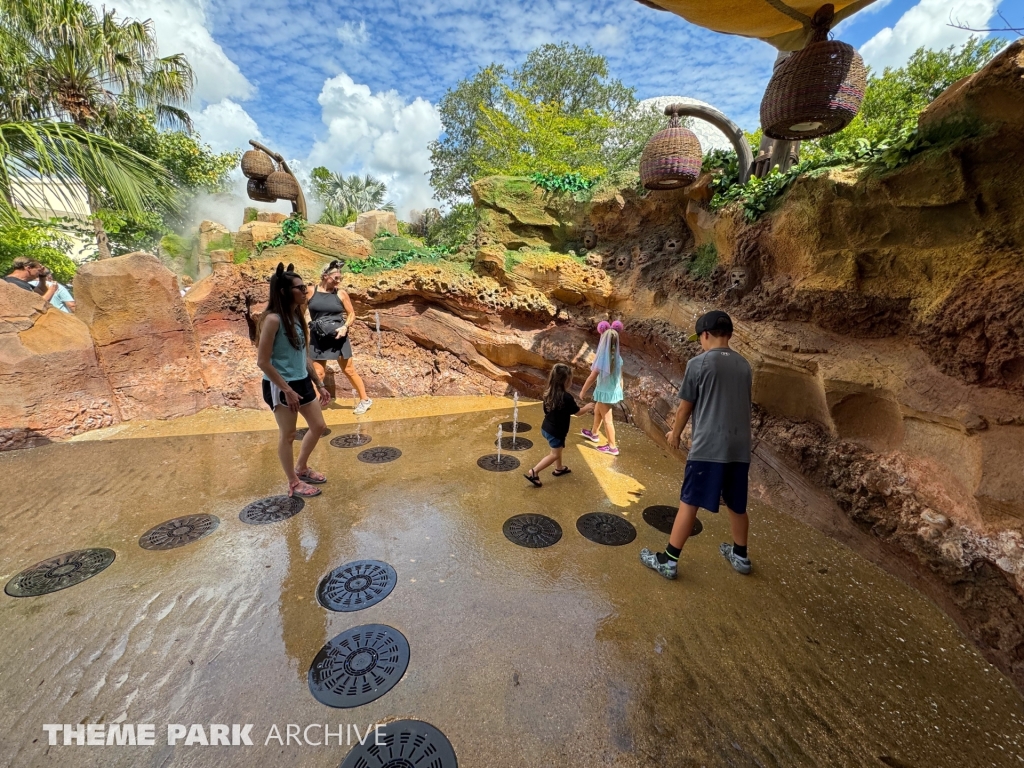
{"x": 718, "y": 382}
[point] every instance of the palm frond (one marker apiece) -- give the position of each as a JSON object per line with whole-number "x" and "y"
{"x": 71, "y": 160}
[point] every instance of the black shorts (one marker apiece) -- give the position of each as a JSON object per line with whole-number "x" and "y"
{"x": 303, "y": 388}
{"x": 706, "y": 482}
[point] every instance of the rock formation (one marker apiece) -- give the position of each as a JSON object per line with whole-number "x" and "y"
{"x": 369, "y": 223}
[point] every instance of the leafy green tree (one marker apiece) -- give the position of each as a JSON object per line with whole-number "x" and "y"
{"x": 568, "y": 86}
{"x": 194, "y": 169}
{"x": 76, "y": 63}
{"x": 37, "y": 240}
{"x": 454, "y": 228}
{"x": 526, "y": 136}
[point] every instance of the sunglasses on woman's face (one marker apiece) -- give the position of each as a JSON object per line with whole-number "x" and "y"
{"x": 299, "y": 287}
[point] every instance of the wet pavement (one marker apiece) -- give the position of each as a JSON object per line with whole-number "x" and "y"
{"x": 570, "y": 655}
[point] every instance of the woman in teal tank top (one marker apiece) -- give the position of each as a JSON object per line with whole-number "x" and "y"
{"x": 290, "y": 384}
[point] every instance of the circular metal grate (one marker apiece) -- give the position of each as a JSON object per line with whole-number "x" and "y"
{"x": 534, "y": 531}
{"x": 403, "y": 744}
{"x": 359, "y": 666}
{"x": 491, "y": 464}
{"x": 356, "y": 585}
{"x": 59, "y": 572}
{"x": 506, "y": 426}
{"x": 272, "y": 509}
{"x": 662, "y": 516}
{"x": 350, "y": 441}
{"x": 379, "y": 455}
{"x": 301, "y": 432}
{"x": 521, "y": 444}
{"x": 603, "y": 528}
{"x": 179, "y": 532}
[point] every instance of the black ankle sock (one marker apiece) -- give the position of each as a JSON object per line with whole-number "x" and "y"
{"x": 672, "y": 552}
{"x": 739, "y": 551}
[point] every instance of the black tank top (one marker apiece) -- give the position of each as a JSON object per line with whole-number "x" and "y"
{"x": 327, "y": 305}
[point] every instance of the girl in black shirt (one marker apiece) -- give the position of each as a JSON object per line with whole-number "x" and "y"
{"x": 559, "y": 406}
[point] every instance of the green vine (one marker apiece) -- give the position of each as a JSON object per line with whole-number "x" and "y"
{"x": 291, "y": 234}
{"x": 394, "y": 260}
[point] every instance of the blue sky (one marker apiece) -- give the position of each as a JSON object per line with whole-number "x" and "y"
{"x": 353, "y": 84}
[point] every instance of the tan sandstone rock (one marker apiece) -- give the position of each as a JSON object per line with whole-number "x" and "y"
{"x": 333, "y": 242}
{"x": 210, "y": 231}
{"x": 51, "y": 385}
{"x": 369, "y": 223}
{"x": 143, "y": 336}
{"x": 272, "y": 216}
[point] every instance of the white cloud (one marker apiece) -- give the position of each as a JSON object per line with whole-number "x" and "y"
{"x": 181, "y": 27}
{"x": 226, "y": 126}
{"x": 927, "y": 24}
{"x": 353, "y": 34}
{"x": 379, "y": 134}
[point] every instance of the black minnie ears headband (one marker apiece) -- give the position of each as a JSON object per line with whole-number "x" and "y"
{"x": 279, "y": 272}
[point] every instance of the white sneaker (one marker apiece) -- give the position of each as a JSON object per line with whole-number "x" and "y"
{"x": 363, "y": 407}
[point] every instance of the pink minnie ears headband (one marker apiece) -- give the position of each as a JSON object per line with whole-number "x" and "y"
{"x": 616, "y": 325}
{"x": 604, "y": 325}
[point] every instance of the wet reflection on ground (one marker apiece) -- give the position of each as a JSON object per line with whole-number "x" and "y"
{"x": 570, "y": 655}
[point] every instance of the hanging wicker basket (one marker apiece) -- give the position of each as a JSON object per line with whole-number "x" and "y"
{"x": 257, "y": 164}
{"x": 672, "y": 158}
{"x": 257, "y": 190}
{"x": 283, "y": 186}
{"x": 817, "y": 91}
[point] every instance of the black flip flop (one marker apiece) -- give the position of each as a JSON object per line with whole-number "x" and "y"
{"x": 560, "y": 472}
{"x": 534, "y": 479}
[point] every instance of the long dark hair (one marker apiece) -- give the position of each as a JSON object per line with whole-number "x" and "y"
{"x": 282, "y": 303}
{"x": 558, "y": 383}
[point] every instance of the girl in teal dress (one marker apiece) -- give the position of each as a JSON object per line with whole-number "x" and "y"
{"x": 607, "y": 372}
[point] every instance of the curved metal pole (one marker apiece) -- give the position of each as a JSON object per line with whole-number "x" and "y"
{"x": 299, "y": 206}
{"x": 726, "y": 126}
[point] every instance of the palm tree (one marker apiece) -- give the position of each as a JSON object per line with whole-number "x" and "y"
{"x": 344, "y": 197}
{"x": 73, "y": 159}
{"x": 63, "y": 60}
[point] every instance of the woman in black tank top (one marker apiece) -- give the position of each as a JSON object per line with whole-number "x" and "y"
{"x": 332, "y": 314}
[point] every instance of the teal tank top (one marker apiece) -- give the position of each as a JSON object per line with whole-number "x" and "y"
{"x": 286, "y": 359}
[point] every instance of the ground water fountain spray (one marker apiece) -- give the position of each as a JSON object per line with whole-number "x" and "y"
{"x": 376, "y": 318}
{"x": 515, "y": 418}
{"x": 499, "y": 444}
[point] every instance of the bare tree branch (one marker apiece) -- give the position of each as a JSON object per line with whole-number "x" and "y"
{"x": 1008, "y": 28}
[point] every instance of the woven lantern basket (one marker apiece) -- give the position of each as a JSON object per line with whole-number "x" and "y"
{"x": 257, "y": 190}
{"x": 672, "y": 158}
{"x": 815, "y": 92}
{"x": 256, "y": 164}
{"x": 283, "y": 186}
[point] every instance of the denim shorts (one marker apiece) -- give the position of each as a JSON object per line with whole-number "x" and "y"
{"x": 707, "y": 482}
{"x": 554, "y": 442}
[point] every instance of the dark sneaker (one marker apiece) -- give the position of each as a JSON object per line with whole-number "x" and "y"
{"x": 650, "y": 559}
{"x": 741, "y": 564}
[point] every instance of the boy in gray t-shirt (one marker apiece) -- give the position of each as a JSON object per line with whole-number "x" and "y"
{"x": 716, "y": 392}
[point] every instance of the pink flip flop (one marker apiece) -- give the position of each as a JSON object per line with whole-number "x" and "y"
{"x": 312, "y": 476}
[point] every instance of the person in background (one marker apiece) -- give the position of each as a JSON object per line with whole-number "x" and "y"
{"x": 23, "y": 270}
{"x": 186, "y": 285}
{"x": 62, "y": 299}
{"x": 559, "y": 407}
{"x": 331, "y": 314}
{"x": 716, "y": 391}
{"x": 607, "y": 372}
{"x": 290, "y": 385}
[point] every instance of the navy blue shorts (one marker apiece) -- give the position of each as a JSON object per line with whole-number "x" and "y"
{"x": 554, "y": 442}
{"x": 705, "y": 482}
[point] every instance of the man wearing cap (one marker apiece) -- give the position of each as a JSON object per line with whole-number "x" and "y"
{"x": 716, "y": 392}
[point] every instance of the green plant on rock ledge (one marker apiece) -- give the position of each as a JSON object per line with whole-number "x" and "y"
{"x": 291, "y": 234}
{"x": 705, "y": 260}
{"x": 569, "y": 183}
